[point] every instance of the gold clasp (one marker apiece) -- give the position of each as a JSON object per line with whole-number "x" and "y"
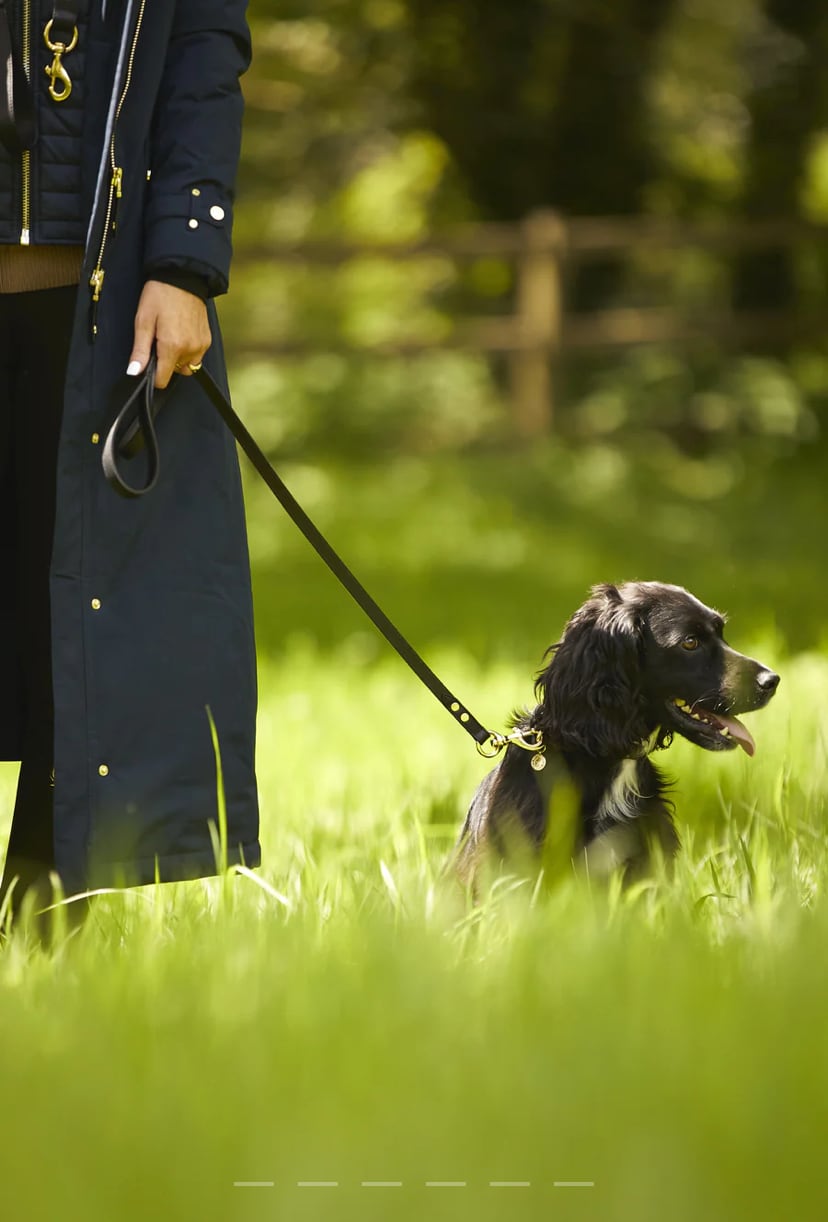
{"x": 60, "y": 82}
{"x": 529, "y": 740}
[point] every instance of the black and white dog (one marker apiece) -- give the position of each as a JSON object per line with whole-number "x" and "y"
{"x": 638, "y": 663}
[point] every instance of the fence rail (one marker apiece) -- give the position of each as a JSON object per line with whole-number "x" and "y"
{"x": 544, "y": 248}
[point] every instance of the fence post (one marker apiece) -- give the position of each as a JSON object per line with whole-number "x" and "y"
{"x": 538, "y": 322}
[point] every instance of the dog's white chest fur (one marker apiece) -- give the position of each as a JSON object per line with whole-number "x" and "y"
{"x": 619, "y": 801}
{"x": 619, "y": 841}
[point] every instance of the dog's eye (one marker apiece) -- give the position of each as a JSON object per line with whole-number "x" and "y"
{"x": 690, "y": 642}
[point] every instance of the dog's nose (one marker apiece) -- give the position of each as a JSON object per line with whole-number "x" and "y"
{"x": 767, "y": 682}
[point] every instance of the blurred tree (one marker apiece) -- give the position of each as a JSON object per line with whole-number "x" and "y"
{"x": 390, "y": 118}
{"x": 548, "y": 108}
{"x": 325, "y": 94}
{"x": 788, "y": 104}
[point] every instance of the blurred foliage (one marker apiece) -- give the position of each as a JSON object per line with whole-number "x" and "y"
{"x": 391, "y": 119}
{"x": 492, "y": 553}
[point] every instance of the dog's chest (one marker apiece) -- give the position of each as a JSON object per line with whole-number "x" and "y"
{"x": 621, "y": 799}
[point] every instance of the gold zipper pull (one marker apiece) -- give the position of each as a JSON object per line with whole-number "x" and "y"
{"x": 115, "y": 193}
{"x": 96, "y": 280}
{"x": 116, "y": 179}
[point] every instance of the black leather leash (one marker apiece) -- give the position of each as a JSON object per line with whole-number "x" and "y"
{"x": 135, "y": 425}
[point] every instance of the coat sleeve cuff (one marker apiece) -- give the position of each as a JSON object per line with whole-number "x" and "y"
{"x": 181, "y": 278}
{"x": 193, "y": 227}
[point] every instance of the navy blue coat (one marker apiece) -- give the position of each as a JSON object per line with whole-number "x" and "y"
{"x": 151, "y": 605}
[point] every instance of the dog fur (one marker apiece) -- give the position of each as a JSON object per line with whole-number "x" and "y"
{"x": 638, "y": 663}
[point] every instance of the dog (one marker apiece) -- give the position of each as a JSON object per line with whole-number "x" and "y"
{"x": 638, "y": 663}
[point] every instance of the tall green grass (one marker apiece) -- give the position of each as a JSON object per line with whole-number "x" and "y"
{"x": 342, "y": 1017}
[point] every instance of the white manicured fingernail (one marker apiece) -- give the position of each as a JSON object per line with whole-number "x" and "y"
{"x": 133, "y": 368}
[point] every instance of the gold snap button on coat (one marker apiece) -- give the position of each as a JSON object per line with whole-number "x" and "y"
{"x": 103, "y": 770}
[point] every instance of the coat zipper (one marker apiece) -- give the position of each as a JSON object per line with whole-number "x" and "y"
{"x": 116, "y": 178}
{"x": 26, "y": 156}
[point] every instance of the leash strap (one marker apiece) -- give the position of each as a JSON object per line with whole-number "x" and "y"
{"x": 16, "y": 105}
{"x": 335, "y": 563}
{"x": 124, "y": 437}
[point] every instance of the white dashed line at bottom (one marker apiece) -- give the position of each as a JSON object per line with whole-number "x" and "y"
{"x": 399, "y": 1184}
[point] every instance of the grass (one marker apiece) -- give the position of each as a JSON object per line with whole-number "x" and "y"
{"x": 339, "y": 1017}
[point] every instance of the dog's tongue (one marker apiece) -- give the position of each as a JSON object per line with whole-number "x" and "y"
{"x": 736, "y": 730}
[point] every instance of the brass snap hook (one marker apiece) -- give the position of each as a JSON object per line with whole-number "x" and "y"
{"x": 60, "y": 82}
{"x": 529, "y": 740}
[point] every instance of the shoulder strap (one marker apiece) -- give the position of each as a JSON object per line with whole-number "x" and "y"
{"x": 16, "y": 108}
{"x": 64, "y": 21}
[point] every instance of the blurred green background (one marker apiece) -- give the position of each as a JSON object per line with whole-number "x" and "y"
{"x": 701, "y": 462}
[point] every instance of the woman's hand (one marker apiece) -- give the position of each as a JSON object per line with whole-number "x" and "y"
{"x": 177, "y": 322}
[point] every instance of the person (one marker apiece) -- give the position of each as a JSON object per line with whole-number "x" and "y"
{"x": 127, "y": 625}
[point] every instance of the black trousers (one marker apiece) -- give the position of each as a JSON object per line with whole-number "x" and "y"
{"x": 35, "y": 331}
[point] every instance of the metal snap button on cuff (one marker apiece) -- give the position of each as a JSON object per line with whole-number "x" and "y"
{"x": 103, "y": 770}
{"x": 96, "y": 604}
{"x": 217, "y": 212}
{"x": 193, "y": 223}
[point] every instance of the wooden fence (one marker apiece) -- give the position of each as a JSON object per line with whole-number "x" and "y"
{"x": 544, "y": 249}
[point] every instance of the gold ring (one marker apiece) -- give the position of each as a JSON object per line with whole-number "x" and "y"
{"x": 195, "y": 368}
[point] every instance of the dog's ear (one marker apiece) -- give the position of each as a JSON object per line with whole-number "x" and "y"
{"x": 589, "y": 694}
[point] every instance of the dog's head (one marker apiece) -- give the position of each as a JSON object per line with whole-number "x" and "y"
{"x": 641, "y": 661}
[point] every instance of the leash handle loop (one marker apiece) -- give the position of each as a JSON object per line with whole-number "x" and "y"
{"x": 133, "y": 430}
